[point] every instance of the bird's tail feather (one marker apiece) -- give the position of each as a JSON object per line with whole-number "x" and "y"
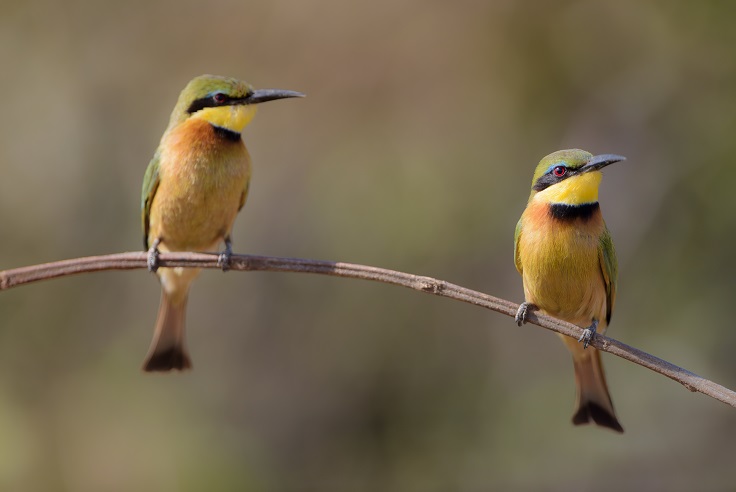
{"x": 593, "y": 402}
{"x": 167, "y": 349}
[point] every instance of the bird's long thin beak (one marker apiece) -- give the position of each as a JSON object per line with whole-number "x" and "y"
{"x": 598, "y": 162}
{"x": 263, "y": 95}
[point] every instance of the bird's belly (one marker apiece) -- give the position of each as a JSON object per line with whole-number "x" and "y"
{"x": 564, "y": 279}
{"x": 195, "y": 206}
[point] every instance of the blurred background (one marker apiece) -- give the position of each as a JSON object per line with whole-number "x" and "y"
{"x": 414, "y": 151}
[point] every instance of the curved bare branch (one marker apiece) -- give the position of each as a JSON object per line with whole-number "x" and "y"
{"x": 131, "y": 261}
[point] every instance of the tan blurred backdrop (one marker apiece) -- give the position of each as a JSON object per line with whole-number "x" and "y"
{"x": 413, "y": 150}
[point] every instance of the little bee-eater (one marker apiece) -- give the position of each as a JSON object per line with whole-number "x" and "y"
{"x": 194, "y": 187}
{"x": 565, "y": 255}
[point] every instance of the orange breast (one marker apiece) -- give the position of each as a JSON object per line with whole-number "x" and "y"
{"x": 561, "y": 266}
{"x": 203, "y": 178}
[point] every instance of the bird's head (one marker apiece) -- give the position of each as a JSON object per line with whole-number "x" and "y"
{"x": 570, "y": 176}
{"x": 224, "y": 102}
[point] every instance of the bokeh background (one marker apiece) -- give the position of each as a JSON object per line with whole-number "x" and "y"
{"x": 414, "y": 151}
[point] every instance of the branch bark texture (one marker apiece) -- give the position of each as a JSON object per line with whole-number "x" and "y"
{"x": 132, "y": 261}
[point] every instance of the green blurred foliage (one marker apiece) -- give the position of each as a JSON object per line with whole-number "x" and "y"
{"x": 413, "y": 150}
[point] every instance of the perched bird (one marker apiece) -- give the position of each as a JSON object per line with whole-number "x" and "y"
{"x": 565, "y": 255}
{"x": 193, "y": 188}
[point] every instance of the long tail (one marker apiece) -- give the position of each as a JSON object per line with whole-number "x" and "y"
{"x": 593, "y": 402}
{"x": 167, "y": 350}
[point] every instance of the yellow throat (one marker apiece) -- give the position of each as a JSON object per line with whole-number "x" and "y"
{"x": 575, "y": 190}
{"x": 233, "y": 118}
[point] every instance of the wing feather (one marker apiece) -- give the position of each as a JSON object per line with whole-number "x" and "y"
{"x": 517, "y": 253}
{"x": 150, "y": 185}
{"x": 609, "y": 268}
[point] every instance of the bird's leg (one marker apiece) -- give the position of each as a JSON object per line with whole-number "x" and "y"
{"x": 588, "y": 333}
{"x": 523, "y": 312}
{"x": 224, "y": 259}
{"x": 153, "y": 255}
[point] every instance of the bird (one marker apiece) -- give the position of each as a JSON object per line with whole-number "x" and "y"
{"x": 565, "y": 255}
{"x": 193, "y": 188}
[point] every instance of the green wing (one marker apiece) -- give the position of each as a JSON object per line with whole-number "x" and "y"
{"x": 150, "y": 185}
{"x": 517, "y": 253}
{"x": 609, "y": 267}
{"x": 244, "y": 195}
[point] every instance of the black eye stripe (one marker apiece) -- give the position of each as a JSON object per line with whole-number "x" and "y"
{"x": 549, "y": 178}
{"x": 197, "y": 104}
{"x": 211, "y": 102}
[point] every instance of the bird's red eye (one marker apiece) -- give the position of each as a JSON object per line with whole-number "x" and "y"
{"x": 219, "y": 97}
{"x": 559, "y": 171}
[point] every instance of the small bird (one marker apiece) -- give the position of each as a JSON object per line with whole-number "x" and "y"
{"x": 565, "y": 256}
{"x": 193, "y": 188}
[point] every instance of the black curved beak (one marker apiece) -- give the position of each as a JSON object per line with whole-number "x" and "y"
{"x": 598, "y": 162}
{"x": 264, "y": 95}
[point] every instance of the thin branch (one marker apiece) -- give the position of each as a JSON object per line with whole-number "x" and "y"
{"x": 131, "y": 261}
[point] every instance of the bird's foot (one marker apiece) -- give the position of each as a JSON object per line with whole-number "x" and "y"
{"x": 523, "y": 312}
{"x": 223, "y": 261}
{"x": 588, "y": 334}
{"x": 153, "y": 256}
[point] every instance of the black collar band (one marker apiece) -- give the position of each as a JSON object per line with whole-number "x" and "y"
{"x": 226, "y": 133}
{"x": 565, "y": 212}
